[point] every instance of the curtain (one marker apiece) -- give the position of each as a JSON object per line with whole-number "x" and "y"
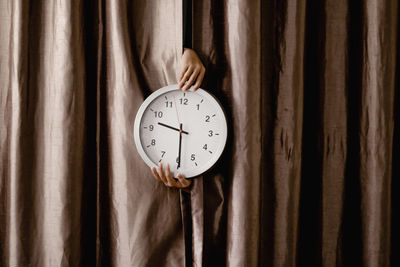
{"x": 310, "y": 172}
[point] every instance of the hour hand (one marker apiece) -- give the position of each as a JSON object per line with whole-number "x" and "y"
{"x": 173, "y": 128}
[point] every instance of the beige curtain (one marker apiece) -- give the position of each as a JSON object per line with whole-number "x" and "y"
{"x": 308, "y": 178}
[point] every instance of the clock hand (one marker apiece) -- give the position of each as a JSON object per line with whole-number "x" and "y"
{"x": 173, "y": 128}
{"x": 176, "y": 111}
{"x": 180, "y": 145}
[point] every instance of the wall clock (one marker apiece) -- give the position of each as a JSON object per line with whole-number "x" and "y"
{"x": 188, "y": 130}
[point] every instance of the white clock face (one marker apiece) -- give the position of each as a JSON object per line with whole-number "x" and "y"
{"x": 188, "y": 130}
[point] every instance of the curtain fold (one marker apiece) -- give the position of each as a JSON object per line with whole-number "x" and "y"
{"x": 376, "y": 138}
{"x": 139, "y": 217}
{"x": 310, "y": 172}
{"x": 43, "y": 134}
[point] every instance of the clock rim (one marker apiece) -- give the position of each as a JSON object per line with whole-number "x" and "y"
{"x": 190, "y": 173}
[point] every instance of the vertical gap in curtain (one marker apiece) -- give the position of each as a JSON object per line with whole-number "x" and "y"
{"x": 209, "y": 212}
{"x": 350, "y": 245}
{"x": 104, "y": 253}
{"x": 213, "y": 40}
{"x": 395, "y": 221}
{"x": 92, "y": 27}
{"x": 186, "y": 214}
{"x": 311, "y": 169}
{"x": 185, "y": 197}
{"x": 270, "y": 31}
{"x": 100, "y": 42}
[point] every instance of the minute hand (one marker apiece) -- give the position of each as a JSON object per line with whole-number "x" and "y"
{"x": 173, "y": 128}
{"x": 180, "y": 145}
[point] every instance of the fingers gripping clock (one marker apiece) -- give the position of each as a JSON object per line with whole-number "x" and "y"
{"x": 188, "y": 130}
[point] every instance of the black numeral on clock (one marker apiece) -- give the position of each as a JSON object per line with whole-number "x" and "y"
{"x": 168, "y": 104}
{"x": 207, "y": 118}
{"x": 193, "y": 157}
{"x": 162, "y": 155}
{"x": 184, "y": 101}
{"x": 153, "y": 142}
{"x": 158, "y": 114}
{"x": 210, "y": 133}
{"x": 205, "y": 147}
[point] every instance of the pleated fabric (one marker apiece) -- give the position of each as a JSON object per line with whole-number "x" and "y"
{"x": 309, "y": 176}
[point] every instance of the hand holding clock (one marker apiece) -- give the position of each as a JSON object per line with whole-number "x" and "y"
{"x": 167, "y": 179}
{"x": 191, "y": 72}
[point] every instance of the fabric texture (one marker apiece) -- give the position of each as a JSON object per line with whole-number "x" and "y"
{"x": 310, "y": 173}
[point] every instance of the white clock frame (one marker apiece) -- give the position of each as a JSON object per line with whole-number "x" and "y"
{"x": 190, "y": 173}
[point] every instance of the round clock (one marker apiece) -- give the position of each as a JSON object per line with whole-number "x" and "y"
{"x": 188, "y": 130}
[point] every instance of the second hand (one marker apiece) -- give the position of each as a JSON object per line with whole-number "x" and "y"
{"x": 176, "y": 110}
